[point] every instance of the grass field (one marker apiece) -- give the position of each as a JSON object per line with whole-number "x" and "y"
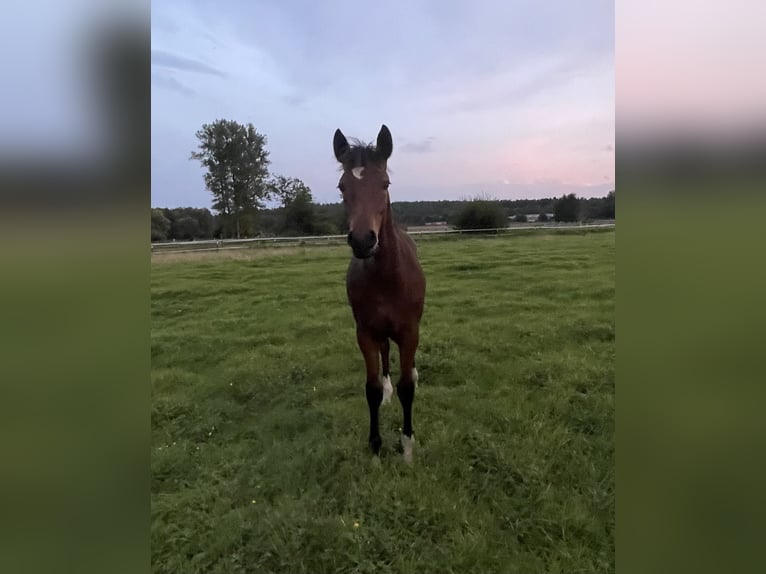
{"x": 259, "y": 418}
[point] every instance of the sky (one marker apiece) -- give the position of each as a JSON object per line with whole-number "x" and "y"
{"x": 508, "y": 98}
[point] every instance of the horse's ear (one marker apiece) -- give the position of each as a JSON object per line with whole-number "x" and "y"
{"x": 385, "y": 144}
{"x": 339, "y": 145}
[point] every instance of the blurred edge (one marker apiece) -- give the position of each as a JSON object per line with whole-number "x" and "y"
{"x": 74, "y": 372}
{"x": 690, "y": 314}
{"x": 691, "y": 163}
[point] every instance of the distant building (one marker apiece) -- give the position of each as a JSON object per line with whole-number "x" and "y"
{"x": 532, "y": 217}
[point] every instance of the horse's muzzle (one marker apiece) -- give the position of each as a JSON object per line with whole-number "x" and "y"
{"x": 364, "y": 246}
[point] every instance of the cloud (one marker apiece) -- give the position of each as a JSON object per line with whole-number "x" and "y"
{"x": 422, "y": 146}
{"x": 295, "y": 100}
{"x": 526, "y": 82}
{"x": 174, "y": 62}
{"x": 167, "y": 81}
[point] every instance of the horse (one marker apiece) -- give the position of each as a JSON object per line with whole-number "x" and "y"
{"x": 385, "y": 283}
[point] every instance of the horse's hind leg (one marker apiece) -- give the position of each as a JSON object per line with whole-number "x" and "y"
{"x": 374, "y": 387}
{"x": 388, "y": 390}
{"x": 405, "y": 389}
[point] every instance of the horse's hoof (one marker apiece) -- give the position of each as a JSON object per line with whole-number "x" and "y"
{"x": 407, "y": 444}
{"x": 375, "y": 444}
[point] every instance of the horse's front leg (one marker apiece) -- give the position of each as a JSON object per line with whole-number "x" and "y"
{"x": 374, "y": 387}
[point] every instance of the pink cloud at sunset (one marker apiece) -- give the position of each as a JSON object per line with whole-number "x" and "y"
{"x": 707, "y": 77}
{"x": 539, "y": 159}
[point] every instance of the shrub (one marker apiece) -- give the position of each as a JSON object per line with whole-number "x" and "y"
{"x": 481, "y": 214}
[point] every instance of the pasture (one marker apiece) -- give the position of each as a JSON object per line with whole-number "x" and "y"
{"x": 259, "y": 419}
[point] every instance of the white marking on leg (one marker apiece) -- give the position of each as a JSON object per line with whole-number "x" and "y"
{"x": 357, "y": 171}
{"x": 407, "y": 444}
{"x": 388, "y": 389}
{"x": 415, "y": 376}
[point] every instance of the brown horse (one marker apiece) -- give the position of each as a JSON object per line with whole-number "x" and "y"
{"x": 385, "y": 283}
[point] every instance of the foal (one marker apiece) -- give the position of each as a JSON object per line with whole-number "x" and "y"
{"x": 385, "y": 283}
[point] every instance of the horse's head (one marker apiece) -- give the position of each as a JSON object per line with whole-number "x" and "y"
{"x": 364, "y": 187}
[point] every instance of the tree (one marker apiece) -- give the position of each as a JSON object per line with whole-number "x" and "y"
{"x": 520, "y": 218}
{"x": 567, "y": 208}
{"x": 607, "y": 211}
{"x": 160, "y": 225}
{"x": 188, "y": 223}
{"x": 542, "y": 217}
{"x": 286, "y": 189}
{"x": 187, "y": 227}
{"x": 297, "y": 204}
{"x": 237, "y": 165}
{"x": 481, "y": 213}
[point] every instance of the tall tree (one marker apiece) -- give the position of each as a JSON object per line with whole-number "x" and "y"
{"x": 237, "y": 164}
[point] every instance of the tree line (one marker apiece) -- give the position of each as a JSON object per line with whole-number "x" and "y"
{"x": 237, "y": 175}
{"x": 304, "y": 217}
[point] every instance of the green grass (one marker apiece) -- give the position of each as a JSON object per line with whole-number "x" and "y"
{"x": 259, "y": 417}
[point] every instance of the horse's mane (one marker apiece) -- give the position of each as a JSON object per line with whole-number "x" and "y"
{"x": 360, "y": 154}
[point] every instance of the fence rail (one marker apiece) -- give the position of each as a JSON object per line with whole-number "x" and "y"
{"x": 222, "y": 244}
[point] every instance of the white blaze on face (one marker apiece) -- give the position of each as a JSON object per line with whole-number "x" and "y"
{"x": 357, "y": 172}
{"x": 388, "y": 389}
